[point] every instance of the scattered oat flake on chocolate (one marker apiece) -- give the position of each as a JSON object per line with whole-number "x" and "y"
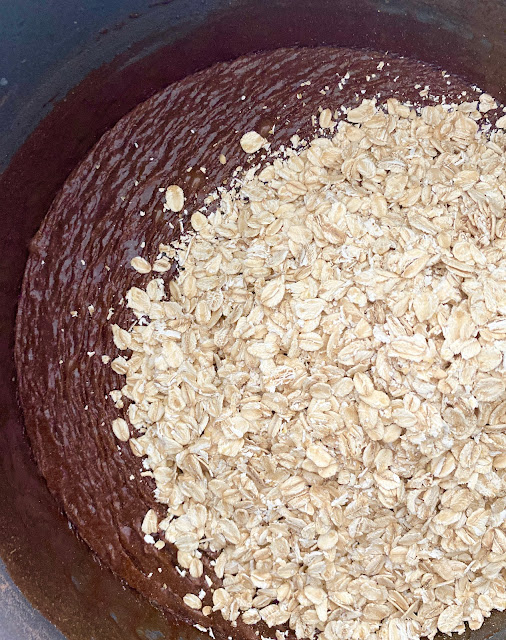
{"x": 251, "y": 142}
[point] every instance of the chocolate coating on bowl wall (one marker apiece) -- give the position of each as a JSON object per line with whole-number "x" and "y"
{"x": 108, "y": 207}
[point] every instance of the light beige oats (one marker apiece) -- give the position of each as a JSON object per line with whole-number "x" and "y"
{"x": 325, "y": 119}
{"x": 192, "y": 601}
{"x": 251, "y": 142}
{"x": 174, "y": 198}
{"x": 120, "y": 429}
{"x": 150, "y": 522}
{"x": 140, "y": 264}
{"x": 319, "y": 395}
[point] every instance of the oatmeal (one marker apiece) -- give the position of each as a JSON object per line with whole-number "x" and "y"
{"x": 319, "y": 393}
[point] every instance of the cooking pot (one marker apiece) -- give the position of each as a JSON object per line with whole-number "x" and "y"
{"x": 68, "y": 72}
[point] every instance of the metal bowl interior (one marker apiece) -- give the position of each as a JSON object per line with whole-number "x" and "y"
{"x": 69, "y": 73}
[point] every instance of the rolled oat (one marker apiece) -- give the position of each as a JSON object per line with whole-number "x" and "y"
{"x": 320, "y": 393}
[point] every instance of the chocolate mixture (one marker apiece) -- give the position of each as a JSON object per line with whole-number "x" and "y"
{"x": 111, "y": 210}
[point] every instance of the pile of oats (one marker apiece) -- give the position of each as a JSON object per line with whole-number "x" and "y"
{"x": 320, "y": 393}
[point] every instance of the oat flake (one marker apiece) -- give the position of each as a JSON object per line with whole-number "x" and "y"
{"x": 319, "y": 394}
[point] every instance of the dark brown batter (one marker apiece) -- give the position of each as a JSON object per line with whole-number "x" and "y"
{"x": 80, "y": 262}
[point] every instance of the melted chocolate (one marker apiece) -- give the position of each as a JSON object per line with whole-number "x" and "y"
{"x": 108, "y": 208}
